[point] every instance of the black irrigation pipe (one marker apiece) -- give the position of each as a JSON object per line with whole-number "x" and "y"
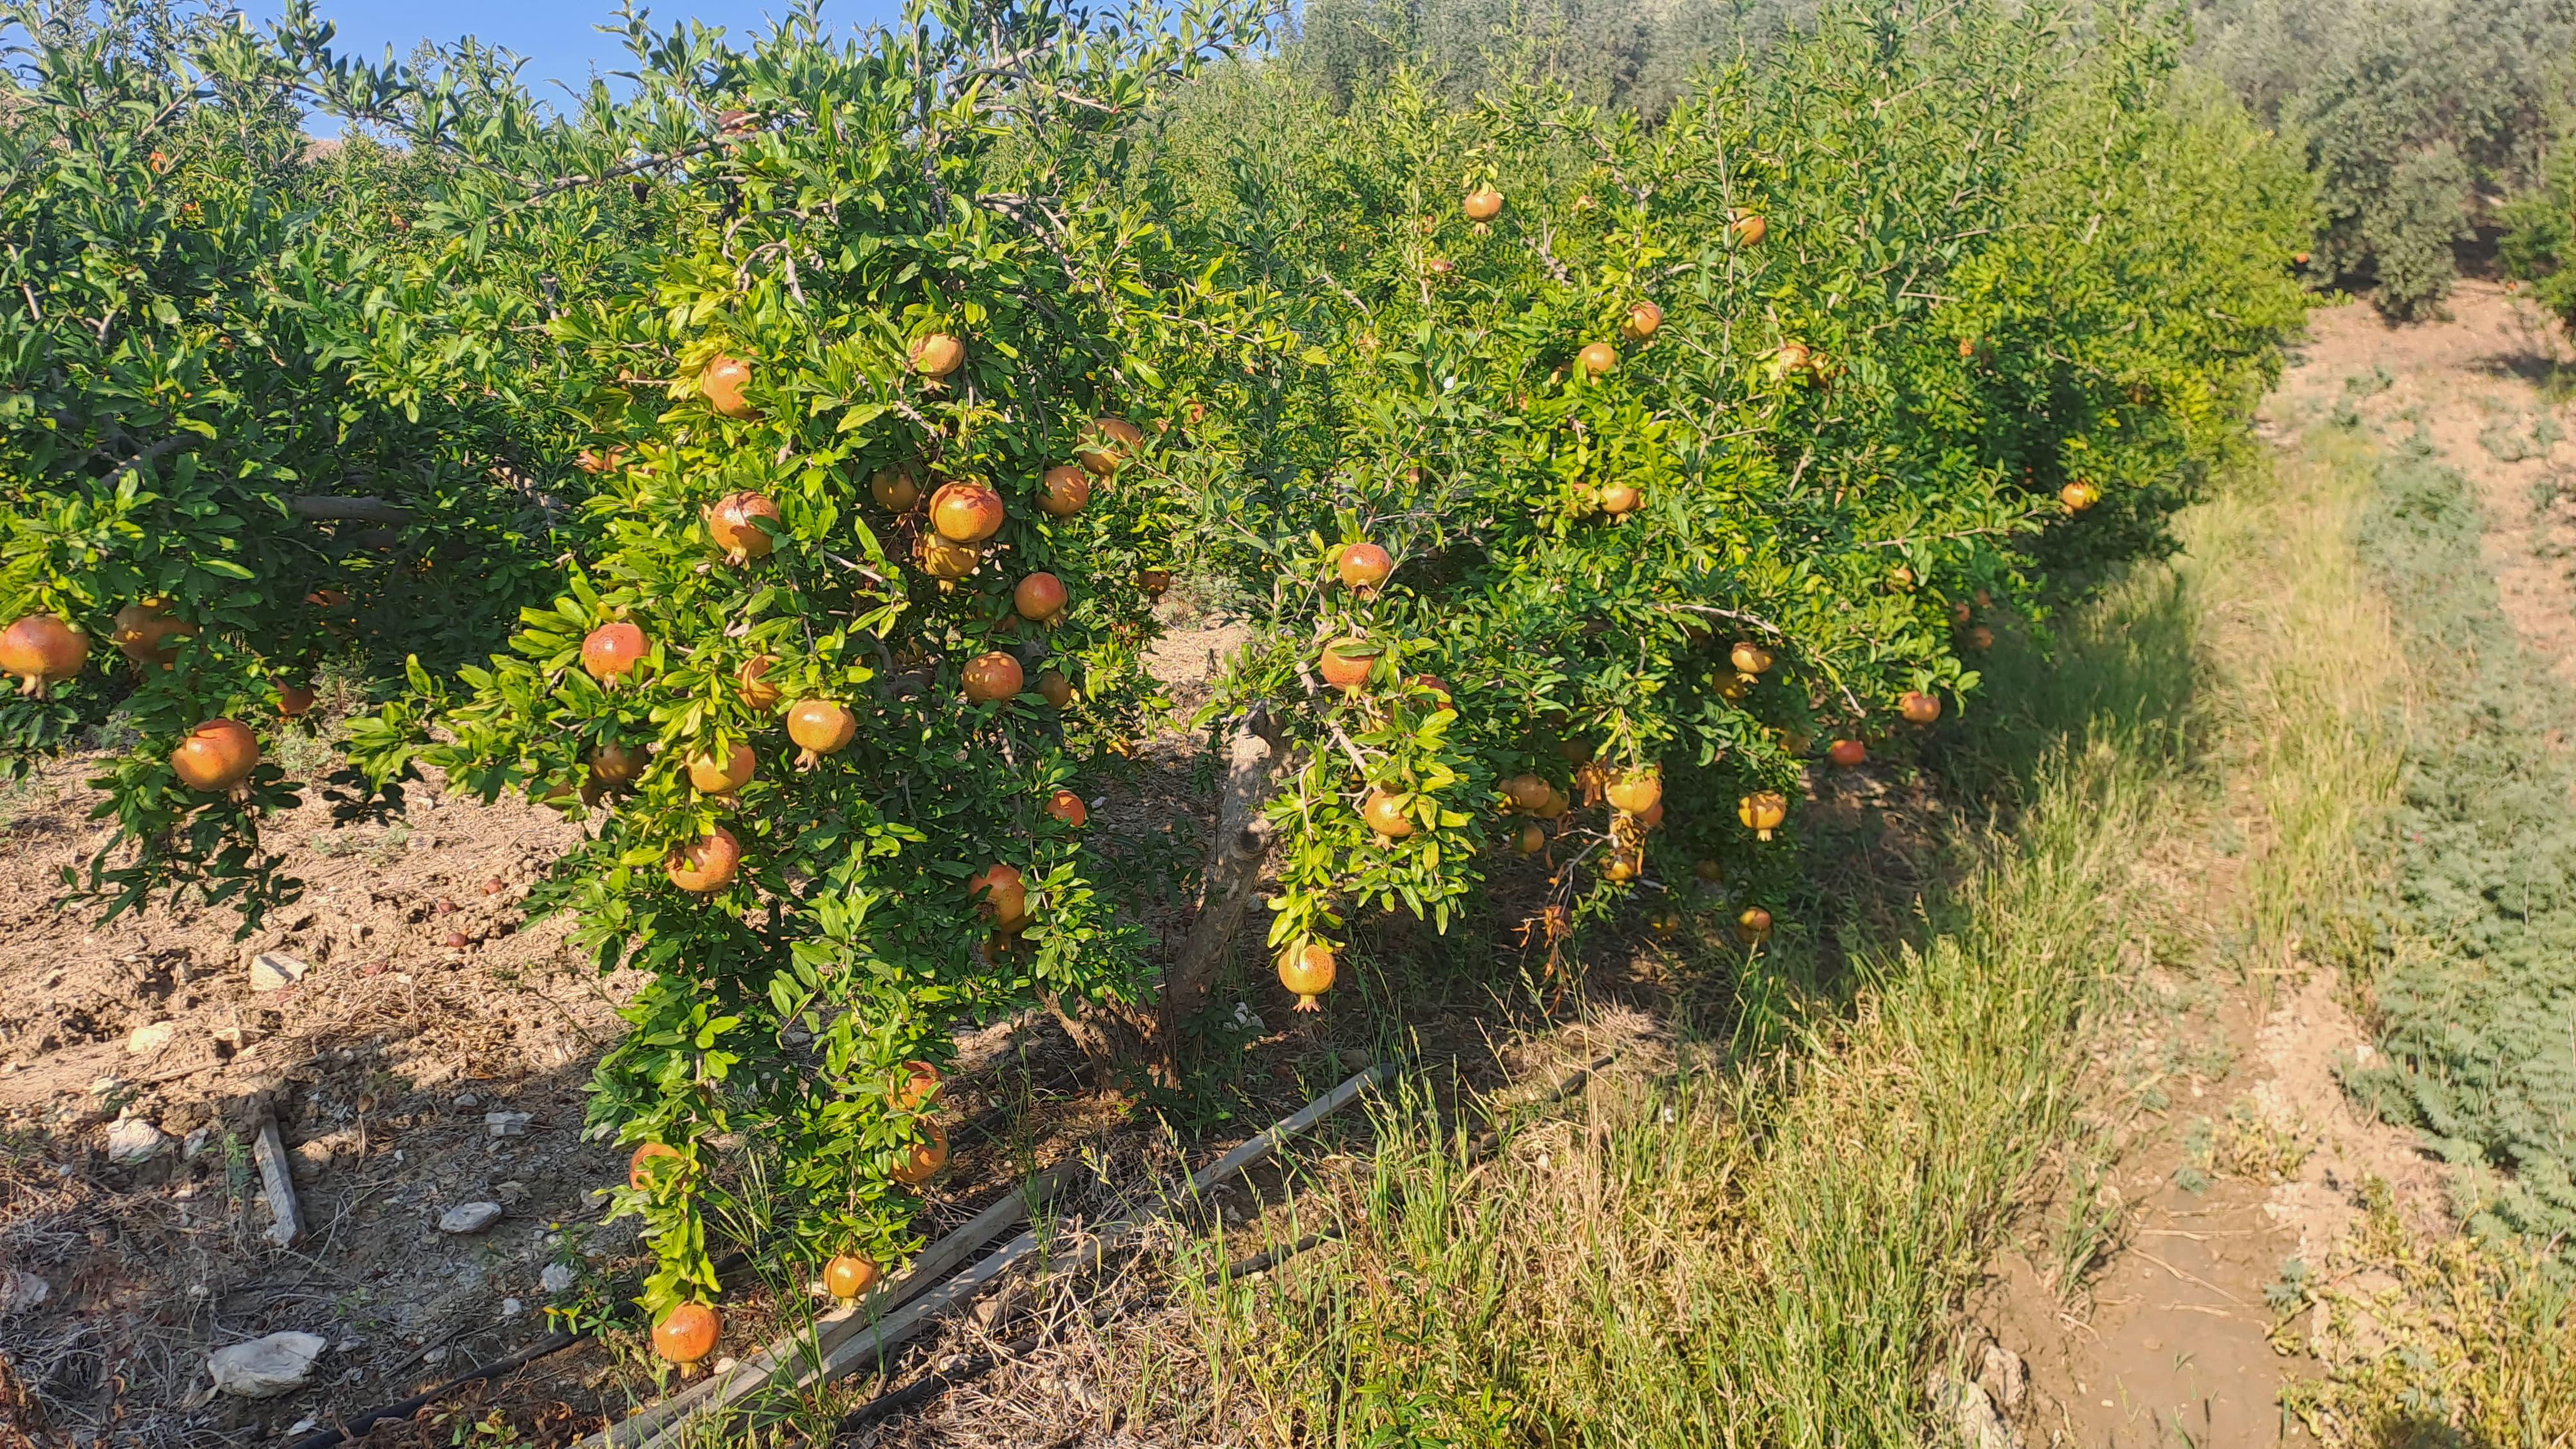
{"x": 929, "y": 1386}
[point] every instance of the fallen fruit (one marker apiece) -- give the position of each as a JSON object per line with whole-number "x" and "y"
{"x": 1531, "y": 840}
{"x": 1308, "y": 973}
{"x": 216, "y": 756}
{"x": 1847, "y": 753}
{"x": 1707, "y": 870}
{"x": 295, "y": 700}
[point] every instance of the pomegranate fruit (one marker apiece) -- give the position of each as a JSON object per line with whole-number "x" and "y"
{"x": 848, "y": 1275}
{"x": 1979, "y": 638}
{"x": 1064, "y": 490}
{"x": 614, "y": 764}
{"x": 722, "y": 386}
{"x": 1557, "y": 804}
{"x": 1362, "y": 567}
{"x": 1637, "y": 790}
{"x": 1597, "y": 358}
{"x": 1748, "y": 228}
{"x": 1624, "y": 865}
{"x": 1919, "y": 708}
{"x": 937, "y": 355}
{"x": 752, "y": 681}
{"x": 1483, "y": 204}
{"x": 1066, "y": 806}
{"x": 1002, "y": 894}
{"x": 1107, "y": 443}
{"x": 2079, "y": 495}
{"x": 1528, "y": 792}
{"x": 916, "y": 1086}
{"x": 1750, "y": 657}
{"x": 895, "y": 489}
{"x": 738, "y": 523}
{"x": 687, "y": 1333}
{"x": 1847, "y": 753}
{"x": 1345, "y": 663}
{"x": 295, "y": 700}
{"x": 819, "y": 727}
{"x": 966, "y": 512}
{"x": 1620, "y": 498}
{"x": 638, "y": 1172}
{"x": 1754, "y": 925}
{"x": 1054, "y": 688}
{"x": 1040, "y": 597}
{"x": 216, "y": 756}
{"x": 1531, "y": 840}
{"x": 992, "y": 678}
{"x": 704, "y": 865}
{"x": 1645, "y": 319}
{"x": 1707, "y": 870}
{"x": 711, "y": 776}
{"x": 612, "y": 651}
{"x": 1153, "y": 582}
{"x": 946, "y": 559}
{"x": 1309, "y": 973}
{"x": 145, "y": 632}
{"x": 924, "y": 1158}
{"x": 42, "y": 650}
{"x": 1762, "y": 812}
{"x": 1384, "y": 813}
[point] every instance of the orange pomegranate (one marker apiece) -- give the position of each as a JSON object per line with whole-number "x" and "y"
{"x": 1054, "y": 688}
{"x": 1645, "y": 319}
{"x": 1620, "y": 498}
{"x": 1847, "y": 753}
{"x": 216, "y": 756}
{"x": 1483, "y": 204}
{"x": 848, "y": 1275}
{"x": 1624, "y": 865}
{"x": 1597, "y": 358}
{"x": 1152, "y": 582}
{"x": 966, "y": 512}
{"x": 1064, "y": 490}
{"x": 295, "y": 700}
{"x": 819, "y": 727}
{"x": 896, "y": 489}
{"x": 1107, "y": 443}
{"x": 737, "y": 522}
{"x": 1531, "y": 840}
{"x": 1002, "y": 894}
{"x": 612, "y": 651}
{"x": 638, "y": 1174}
{"x": 144, "y": 633}
{"x": 1528, "y": 792}
{"x": 1754, "y": 925}
{"x": 42, "y": 650}
{"x": 2079, "y": 495}
{"x": 722, "y": 386}
{"x": 924, "y": 1158}
{"x": 1384, "y": 813}
{"x": 1362, "y": 567}
{"x": 1040, "y": 597}
{"x": 916, "y": 1086}
{"x": 687, "y": 1333}
{"x": 1979, "y": 638}
{"x": 1556, "y": 805}
{"x": 943, "y": 558}
{"x": 1748, "y": 228}
{"x": 1652, "y": 817}
{"x": 1309, "y": 973}
{"x": 759, "y": 695}
{"x": 615, "y": 764}
{"x": 1750, "y": 657}
{"x": 1919, "y": 708}
{"x": 1345, "y": 663}
{"x": 1066, "y": 806}
{"x": 704, "y": 865}
{"x": 937, "y": 354}
{"x": 711, "y": 776}
{"x": 992, "y": 677}
{"x": 1762, "y": 812}
{"x": 1636, "y": 791}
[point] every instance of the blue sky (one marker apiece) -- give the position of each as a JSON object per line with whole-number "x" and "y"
{"x": 556, "y": 36}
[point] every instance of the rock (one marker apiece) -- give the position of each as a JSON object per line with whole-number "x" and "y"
{"x": 510, "y": 1192}
{"x": 507, "y": 1124}
{"x": 2004, "y": 1377}
{"x": 512, "y": 1308}
{"x": 556, "y": 1278}
{"x": 21, "y": 1291}
{"x": 1971, "y": 1413}
{"x": 275, "y": 971}
{"x": 144, "y": 1040}
{"x": 469, "y": 1217}
{"x": 267, "y": 1367}
{"x": 133, "y": 1140}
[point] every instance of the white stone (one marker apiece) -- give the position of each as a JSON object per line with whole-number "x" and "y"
{"x": 144, "y": 1040}
{"x": 21, "y": 1291}
{"x": 469, "y": 1217}
{"x": 134, "y": 1140}
{"x": 275, "y": 971}
{"x": 267, "y": 1367}
{"x": 512, "y": 1308}
{"x": 556, "y": 1278}
{"x": 507, "y": 1124}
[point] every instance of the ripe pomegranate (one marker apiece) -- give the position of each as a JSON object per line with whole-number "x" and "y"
{"x": 1309, "y": 973}
{"x": 704, "y": 865}
{"x": 612, "y": 650}
{"x": 2079, "y": 495}
{"x": 722, "y": 385}
{"x": 916, "y": 1086}
{"x": 819, "y": 727}
{"x": 925, "y": 1158}
{"x": 216, "y": 756}
{"x": 42, "y": 650}
{"x": 1152, "y": 582}
{"x": 1066, "y": 806}
{"x": 1791, "y": 357}
{"x": 591, "y": 460}
{"x": 1748, "y": 228}
{"x": 638, "y": 1175}
{"x": 1002, "y": 894}
{"x": 937, "y": 355}
{"x": 295, "y": 700}
{"x": 1362, "y": 567}
{"x": 144, "y": 633}
{"x": 1762, "y": 812}
{"x": 1483, "y": 204}
{"x": 1531, "y": 840}
{"x": 848, "y": 1275}
{"x": 615, "y": 764}
{"x": 1064, "y": 490}
{"x": 1597, "y": 358}
{"x": 752, "y": 680}
{"x": 1979, "y": 638}
{"x": 1636, "y": 791}
{"x": 1967, "y": 347}
{"x": 711, "y": 776}
{"x": 1918, "y": 707}
{"x": 1847, "y": 753}
{"x": 1645, "y": 319}
{"x": 1054, "y": 688}
{"x": 736, "y": 522}
{"x": 1624, "y": 865}
{"x": 1620, "y": 498}
{"x": 1107, "y": 443}
{"x": 1652, "y": 817}
{"x": 1754, "y": 926}
{"x": 966, "y": 512}
{"x": 896, "y": 489}
{"x": 1040, "y": 597}
{"x": 1557, "y": 804}
{"x": 992, "y": 678}
{"x": 1345, "y": 663}
{"x": 1750, "y": 657}
{"x": 943, "y": 558}
{"x": 1528, "y": 791}
{"x": 1900, "y": 578}
{"x": 687, "y": 1333}
{"x": 1384, "y": 813}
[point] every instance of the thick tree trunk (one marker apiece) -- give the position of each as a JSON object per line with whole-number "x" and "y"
{"x": 1149, "y": 1032}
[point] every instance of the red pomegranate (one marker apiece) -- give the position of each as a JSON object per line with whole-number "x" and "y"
{"x": 612, "y": 651}
{"x": 42, "y": 650}
{"x": 992, "y": 677}
{"x": 704, "y": 865}
{"x": 216, "y": 756}
{"x": 736, "y": 522}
